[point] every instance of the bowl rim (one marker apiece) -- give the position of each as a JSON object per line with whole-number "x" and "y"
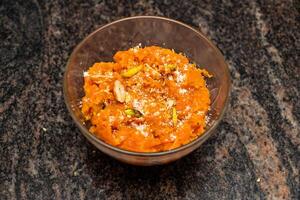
{"x": 202, "y": 137}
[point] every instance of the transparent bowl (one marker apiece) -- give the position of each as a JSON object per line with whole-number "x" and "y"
{"x": 103, "y": 43}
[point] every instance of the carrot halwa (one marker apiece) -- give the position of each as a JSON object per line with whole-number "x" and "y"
{"x": 148, "y": 100}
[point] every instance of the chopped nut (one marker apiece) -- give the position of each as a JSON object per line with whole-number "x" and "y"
{"x": 133, "y": 112}
{"x": 174, "y": 116}
{"x": 119, "y": 91}
{"x": 129, "y": 111}
{"x": 132, "y": 71}
{"x": 170, "y": 67}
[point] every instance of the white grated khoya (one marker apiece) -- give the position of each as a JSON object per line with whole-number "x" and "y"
{"x": 147, "y": 74}
{"x": 156, "y": 113}
{"x": 111, "y": 119}
{"x": 152, "y": 104}
{"x": 153, "y": 70}
{"x": 155, "y": 90}
{"x": 173, "y": 137}
{"x": 179, "y": 76}
{"x": 170, "y": 103}
{"x": 121, "y": 117}
{"x": 188, "y": 108}
{"x": 188, "y": 116}
{"x": 170, "y": 78}
{"x": 85, "y": 74}
{"x": 141, "y": 128}
{"x": 161, "y": 109}
{"x": 200, "y": 113}
{"x": 106, "y": 75}
{"x": 180, "y": 123}
{"x": 86, "y": 99}
{"x": 138, "y": 105}
{"x": 182, "y": 91}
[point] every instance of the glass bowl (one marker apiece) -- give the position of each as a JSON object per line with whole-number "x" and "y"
{"x": 123, "y": 34}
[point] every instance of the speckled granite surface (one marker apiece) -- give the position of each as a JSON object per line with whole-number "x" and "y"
{"x": 254, "y": 155}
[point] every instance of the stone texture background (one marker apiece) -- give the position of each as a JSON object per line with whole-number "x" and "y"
{"x": 254, "y": 155}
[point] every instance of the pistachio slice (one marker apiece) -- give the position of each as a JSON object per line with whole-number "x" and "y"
{"x": 132, "y": 71}
{"x": 133, "y": 112}
{"x": 129, "y": 112}
{"x": 171, "y": 67}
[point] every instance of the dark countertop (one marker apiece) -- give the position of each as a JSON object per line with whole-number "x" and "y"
{"x": 254, "y": 155}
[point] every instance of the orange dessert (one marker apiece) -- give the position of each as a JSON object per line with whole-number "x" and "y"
{"x": 150, "y": 99}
